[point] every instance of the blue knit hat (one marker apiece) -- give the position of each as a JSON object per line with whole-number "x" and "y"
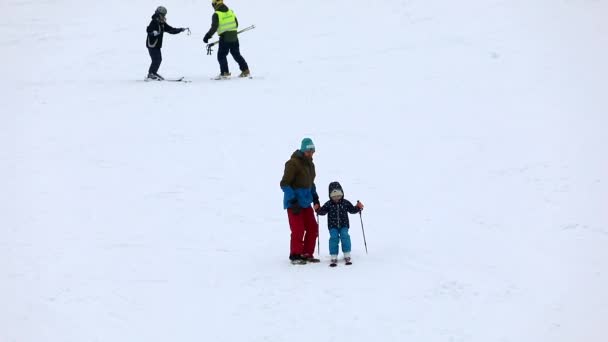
{"x": 307, "y": 145}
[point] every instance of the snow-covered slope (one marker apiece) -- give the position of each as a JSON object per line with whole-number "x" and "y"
{"x": 474, "y": 132}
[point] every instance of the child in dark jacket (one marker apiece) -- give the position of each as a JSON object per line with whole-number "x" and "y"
{"x": 337, "y": 209}
{"x": 154, "y": 40}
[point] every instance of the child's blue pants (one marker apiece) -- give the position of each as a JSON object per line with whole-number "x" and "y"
{"x": 337, "y": 235}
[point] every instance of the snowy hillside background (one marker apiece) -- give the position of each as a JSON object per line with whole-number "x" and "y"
{"x": 474, "y": 131}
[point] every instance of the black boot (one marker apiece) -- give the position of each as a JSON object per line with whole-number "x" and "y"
{"x": 297, "y": 259}
{"x": 310, "y": 258}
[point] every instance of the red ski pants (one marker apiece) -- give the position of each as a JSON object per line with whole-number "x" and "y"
{"x": 304, "y": 231}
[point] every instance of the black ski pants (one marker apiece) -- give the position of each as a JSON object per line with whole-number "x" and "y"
{"x": 234, "y": 50}
{"x": 157, "y": 58}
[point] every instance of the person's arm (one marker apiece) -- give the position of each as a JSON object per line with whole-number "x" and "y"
{"x": 315, "y": 195}
{"x": 215, "y": 23}
{"x": 350, "y": 207}
{"x": 153, "y": 29}
{"x": 172, "y": 30}
{"x": 289, "y": 176}
{"x": 324, "y": 209}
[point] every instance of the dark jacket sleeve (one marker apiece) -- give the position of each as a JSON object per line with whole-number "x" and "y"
{"x": 289, "y": 174}
{"x": 215, "y": 23}
{"x": 152, "y": 27}
{"x": 324, "y": 209}
{"x": 315, "y": 195}
{"x": 350, "y": 207}
{"x": 172, "y": 30}
{"x": 287, "y": 180}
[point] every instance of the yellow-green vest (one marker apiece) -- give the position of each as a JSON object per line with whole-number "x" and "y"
{"x": 227, "y": 21}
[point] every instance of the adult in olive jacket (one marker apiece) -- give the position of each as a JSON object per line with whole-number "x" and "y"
{"x": 299, "y": 191}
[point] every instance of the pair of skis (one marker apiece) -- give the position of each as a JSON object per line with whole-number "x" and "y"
{"x": 184, "y": 80}
{"x": 332, "y": 264}
{"x": 226, "y": 78}
{"x": 335, "y": 263}
{"x": 179, "y": 79}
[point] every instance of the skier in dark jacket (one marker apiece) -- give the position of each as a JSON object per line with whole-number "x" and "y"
{"x": 154, "y": 42}
{"x": 299, "y": 191}
{"x": 337, "y": 210}
{"x": 225, "y": 23}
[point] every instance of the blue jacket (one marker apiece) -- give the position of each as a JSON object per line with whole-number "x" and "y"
{"x": 305, "y": 196}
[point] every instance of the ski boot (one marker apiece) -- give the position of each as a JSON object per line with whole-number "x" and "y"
{"x": 297, "y": 260}
{"x": 223, "y": 76}
{"x": 334, "y": 261}
{"x": 310, "y": 258}
{"x": 347, "y": 261}
{"x": 245, "y": 73}
{"x": 152, "y": 77}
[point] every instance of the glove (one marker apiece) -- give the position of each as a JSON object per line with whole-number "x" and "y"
{"x": 206, "y": 39}
{"x": 315, "y": 199}
{"x": 155, "y": 33}
{"x": 295, "y": 206}
{"x": 182, "y": 29}
{"x": 359, "y": 206}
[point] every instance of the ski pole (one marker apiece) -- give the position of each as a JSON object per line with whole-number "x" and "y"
{"x": 318, "y": 236}
{"x": 210, "y": 45}
{"x": 363, "y": 230}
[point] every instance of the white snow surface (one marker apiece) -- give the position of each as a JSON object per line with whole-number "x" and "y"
{"x": 474, "y": 131}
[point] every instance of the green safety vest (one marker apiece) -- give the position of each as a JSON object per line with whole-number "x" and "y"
{"x": 227, "y": 21}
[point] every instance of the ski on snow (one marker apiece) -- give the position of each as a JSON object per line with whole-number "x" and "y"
{"x": 332, "y": 264}
{"x": 226, "y": 78}
{"x": 179, "y": 79}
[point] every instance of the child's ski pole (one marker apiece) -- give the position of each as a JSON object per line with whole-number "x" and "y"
{"x": 363, "y": 230}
